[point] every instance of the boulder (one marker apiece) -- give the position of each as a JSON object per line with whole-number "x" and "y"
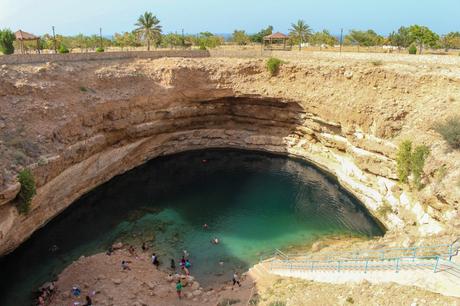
{"x": 116, "y": 281}
{"x": 197, "y": 292}
{"x": 195, "y": 286}
{"x": 117, "y": 246}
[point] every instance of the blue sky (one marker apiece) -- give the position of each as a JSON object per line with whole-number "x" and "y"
{"x": 86, "y": 16}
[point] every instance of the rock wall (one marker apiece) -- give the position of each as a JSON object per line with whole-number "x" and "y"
{"x": 89, "y": 122}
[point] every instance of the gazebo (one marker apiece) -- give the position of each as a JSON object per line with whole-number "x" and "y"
{"x": 22, "y": 36}
{"x": 276, "y": 41}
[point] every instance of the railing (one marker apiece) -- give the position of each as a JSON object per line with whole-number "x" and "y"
{"x": 436, "y": 258}
{"x": 445, "y": 251}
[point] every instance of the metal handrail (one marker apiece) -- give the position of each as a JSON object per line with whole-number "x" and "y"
{"x": 412, "y": 252}
{"x": 436, "y": 262}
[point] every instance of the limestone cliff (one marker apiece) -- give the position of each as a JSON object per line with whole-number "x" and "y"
{"x": 79, "y": 124}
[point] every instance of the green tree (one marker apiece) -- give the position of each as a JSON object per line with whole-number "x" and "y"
{"x": 208, "y": 40}
{"x": 259, "y": 36}
{"x": 423, "y": 36}
{"x": 7, "y": 38}
{"x": 450, "y": 41}
{"x": 27, "y": 191}
{"x": 403, "y": 160}
{"x": 401, "y": 38}
{"x": 148, "y": 28}
{"x": 240, "y": 37}
{"x": 300, "y": 32}
{"x": 323, "y": 38}
{"x": 364, "y": 38}
{"x": 127, "y": 39}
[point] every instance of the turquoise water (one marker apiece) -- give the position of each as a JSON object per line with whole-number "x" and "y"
{"x": 252, "y": 202}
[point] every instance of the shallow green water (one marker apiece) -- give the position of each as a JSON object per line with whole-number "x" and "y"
{"x": 252, "y": 202}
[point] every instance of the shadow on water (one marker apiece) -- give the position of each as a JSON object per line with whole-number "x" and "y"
{"x": 253, "y": 202}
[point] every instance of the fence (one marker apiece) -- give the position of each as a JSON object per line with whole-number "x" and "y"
{"x": 92, "y": 56}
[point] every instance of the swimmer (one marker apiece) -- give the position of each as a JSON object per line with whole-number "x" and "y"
{"x": 205, "y": 225}
{"x": 215, "y": 240}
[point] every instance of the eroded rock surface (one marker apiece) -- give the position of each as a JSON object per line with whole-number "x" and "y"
{"x": 79, "y": 124}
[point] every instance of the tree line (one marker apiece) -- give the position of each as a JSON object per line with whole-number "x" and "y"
{"x": 148, "y": 32}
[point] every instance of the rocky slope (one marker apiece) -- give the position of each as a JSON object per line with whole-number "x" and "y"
{"x": 79, "y": 124}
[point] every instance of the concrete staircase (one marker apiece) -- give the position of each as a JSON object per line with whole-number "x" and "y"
{"x": 437, "y": 272}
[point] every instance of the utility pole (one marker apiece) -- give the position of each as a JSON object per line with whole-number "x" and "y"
{"x": 100, "y": 36}
{"x": 54, "y": 40}
{"x": 341, "y": 39}
{"x": 183, "y": 39}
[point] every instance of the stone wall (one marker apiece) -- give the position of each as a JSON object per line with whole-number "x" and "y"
{"x": 92, "y": 56}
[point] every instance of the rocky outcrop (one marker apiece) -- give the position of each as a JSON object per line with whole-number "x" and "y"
{"x": 78, "y": 125}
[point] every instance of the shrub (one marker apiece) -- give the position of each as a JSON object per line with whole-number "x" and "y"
{"x": 100, "y": 49}
{"x": 27, "y": 191}
{"x": 403, "y": 160}
{"x": 83, "y": 89}
{"x": 411, "y": 161}
{"x": 385, "y": 209}
{"x": 6, "y": 41}
{"x": 412, "y": 49}
{"x": 202, "y": 47}
{"x": 350, "y": 300}
{"x": 377, "y": 63}
{"x": 418, "y": 162}
{"x": 63, "y": 49}
{"x": 273, "y": 65}
{"x": 450, "y": 130}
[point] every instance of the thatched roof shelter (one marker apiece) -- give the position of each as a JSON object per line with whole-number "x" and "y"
{"x": 276, "y": 41}
{"x": 22, "y": 36}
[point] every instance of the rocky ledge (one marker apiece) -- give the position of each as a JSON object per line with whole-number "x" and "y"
{"x": 76, "y": 125}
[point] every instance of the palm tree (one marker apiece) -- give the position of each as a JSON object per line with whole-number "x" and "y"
{"x": 300, "y": 31}
{"x": 148, "y": 27}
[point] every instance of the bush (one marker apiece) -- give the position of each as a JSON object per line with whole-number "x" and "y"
{"x": 277, "y": 303}
{"x": 100, "y": 49}
{"x": 412, "y": 49}
{"x": 411, "y": 162}
{"x": 377, "y": 63}
{"x": 450, "y": 130}
{"x": 403, "y": 160}
{"x": 417, "y": 163}
{"x": 273, "y": 65}
{"x": 384, "y": 209}
{"x": 63, "y": 49}
{"x": 6, "y": 41}
{"x": 27, "y": 191}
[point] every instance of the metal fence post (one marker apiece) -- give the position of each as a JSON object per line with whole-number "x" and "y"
{"x": 397, "y": 265}
{"x": 436, "y": 264}
{"x": 415, "y": 252}
{"x": 450, "y": 252}
{"x": 367, "y": 263}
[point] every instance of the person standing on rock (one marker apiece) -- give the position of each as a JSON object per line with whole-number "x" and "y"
{"x": 179, "y": 289}
{"x": 89, "y": 302}
{"x": 236, "y": 279}
{"x": 155, "y": 261}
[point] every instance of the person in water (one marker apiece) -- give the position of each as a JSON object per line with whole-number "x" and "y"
{"x": 205, "y": 226}
{"x": 144, "y": 246}
{"x": 215, "y": 240}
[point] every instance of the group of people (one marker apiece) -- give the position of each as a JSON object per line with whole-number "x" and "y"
{"x": 45, "y": 294}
